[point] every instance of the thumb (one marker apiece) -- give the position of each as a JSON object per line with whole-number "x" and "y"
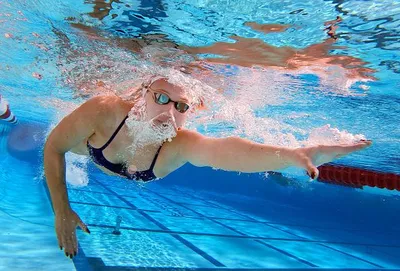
{"x": 83, "y": 226}
{"x": 312, "y": 170}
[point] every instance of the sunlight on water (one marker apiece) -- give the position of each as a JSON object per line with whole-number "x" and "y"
{"x": 69, "y": 53}
{"x": 229, "y": 101}
{"x": 89, "y": 64}
{"x": 287, "y": 73}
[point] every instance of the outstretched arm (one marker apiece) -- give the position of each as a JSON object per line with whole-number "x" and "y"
{"x": 238, "y": 154}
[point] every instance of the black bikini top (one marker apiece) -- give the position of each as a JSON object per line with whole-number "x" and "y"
{"x": 121, "y": 169}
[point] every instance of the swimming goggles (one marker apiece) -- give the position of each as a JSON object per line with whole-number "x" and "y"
{"x": 163, "y": 99}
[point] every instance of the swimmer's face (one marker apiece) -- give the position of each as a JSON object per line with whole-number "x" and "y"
{"x": 159, "y": 92}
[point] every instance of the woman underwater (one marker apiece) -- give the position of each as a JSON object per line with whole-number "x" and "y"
{"x": 142, "y": 138}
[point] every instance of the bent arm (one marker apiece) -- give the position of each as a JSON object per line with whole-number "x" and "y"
{"x": 72, "y": 130}
{"x": 234, "y": 153}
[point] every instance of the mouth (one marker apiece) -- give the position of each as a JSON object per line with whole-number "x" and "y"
{"x": 164, "y": 121}
{"x": 161, "y": 123}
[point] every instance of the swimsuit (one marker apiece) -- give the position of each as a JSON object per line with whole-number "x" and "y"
{"x": 98, "y": 157}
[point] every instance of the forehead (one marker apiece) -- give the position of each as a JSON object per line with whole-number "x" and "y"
{"x": 173, "y": 90}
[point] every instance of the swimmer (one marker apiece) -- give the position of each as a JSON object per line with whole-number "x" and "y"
{"x": 143, "y": 138}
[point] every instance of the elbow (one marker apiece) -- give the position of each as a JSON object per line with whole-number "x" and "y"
{"x": 51, "y": 149}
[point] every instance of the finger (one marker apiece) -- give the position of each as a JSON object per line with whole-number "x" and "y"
{"x": 346, "y": 149}
{"x": 59, "y": 240}
{"x": 312, "y": 170}
{"x": 365, "y": 142}
{"x": 362, "y": 144}
{"x": 75, "y": 244}
{"x": 64, "y": 244}
{"x": 69, "y": 245}
{"x": 83, "y": 226}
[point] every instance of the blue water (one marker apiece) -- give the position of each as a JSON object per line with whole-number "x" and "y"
{"x": 203, "y": 218}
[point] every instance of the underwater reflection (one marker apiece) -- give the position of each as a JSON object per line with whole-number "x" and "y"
{"x": 334, "y": 70}
{"x": 316, "y": 58}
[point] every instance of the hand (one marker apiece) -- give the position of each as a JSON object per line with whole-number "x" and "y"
{"x": 311, "y": 157}
{"x": 66, "y": 223}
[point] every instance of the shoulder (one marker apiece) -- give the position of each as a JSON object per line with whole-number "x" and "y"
{"x": 103, "y": 103}
{"x": 185, "y": 137}
{"x": 179, "y": 143}
{"x": 184, "y": 142}
{"x": 173, "y": 153}
{"x": 185, "y": 134}
{"x": 105, "y": 107}
{"x": 98, "y": 113}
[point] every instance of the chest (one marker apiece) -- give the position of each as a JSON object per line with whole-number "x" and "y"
{"x": 120, "y": 148}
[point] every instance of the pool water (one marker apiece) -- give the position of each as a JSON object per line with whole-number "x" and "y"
{"x": 302, "y": 87}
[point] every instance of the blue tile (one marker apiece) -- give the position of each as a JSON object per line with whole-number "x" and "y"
{"x": 143, "y": 203}
{"x": 131, "y": 192}
{"x": 107, "y": 216}
{"x": 362, "y": 237}
{"x": 140, "y": 249}
{"x": 256, "y": 229}
{"x": 150, "y": 201}
{"x": 97, "y": 198}
{"x": 116, "y": 182}
{"x": 179, "y": 198}
{"x": 373, "y": 254}
{"x": 89, "y": 188}
{"x": 30, "y": 245}
{"x": 192, "y": 225}
{"x": 213, "y": 212}
{"x": 302, "y": 232}
{"x": 243, "y": 253}
{"x": 389, "y": 254}
{"x": 321, "y": 256}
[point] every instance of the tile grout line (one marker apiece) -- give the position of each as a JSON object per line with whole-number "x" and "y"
{"x": 266, "y": 223}
{"x": 252, "y": 219}
{"x": 89, "y": 191}
{"x": 112, "y": 206}
{"x": 177, "y": 237}
{"x": 237, "y": 231}
{"x": 256, "y": 221}
{"x": 319, "y": 243}
{"x": 361, "y": 259}
{"x": 232, "y": 236}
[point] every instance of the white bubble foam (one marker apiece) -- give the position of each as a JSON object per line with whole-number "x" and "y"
{"x": 328, "y": 135}
{"x": 76, "y": 170}
{"x": 149, "y": 132}
{"x": 231, "y": 95}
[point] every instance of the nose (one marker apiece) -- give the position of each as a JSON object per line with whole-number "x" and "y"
{"x": 166, "y": 110}
{"x": 166, "y": 116}
{"x": 172, "y": 111}
{"x": 171, "y": 108}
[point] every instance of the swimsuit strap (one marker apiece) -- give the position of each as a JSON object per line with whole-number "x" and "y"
{"x": 155, "y": 159}
{"x": 114, "y": 134}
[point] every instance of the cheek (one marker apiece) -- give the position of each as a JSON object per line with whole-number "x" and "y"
{"x": 152, "y": 109}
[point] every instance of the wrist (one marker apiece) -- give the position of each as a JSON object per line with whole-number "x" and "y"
{"x": 62, "y": 210}
{"x": 293, "y": 156}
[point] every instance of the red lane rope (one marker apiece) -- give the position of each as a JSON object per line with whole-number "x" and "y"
{"x": 357, "y": 177}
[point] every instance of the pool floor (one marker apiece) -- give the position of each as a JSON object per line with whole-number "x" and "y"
{"x": 180, "y": 228}
{"x": 173, "y": 227}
